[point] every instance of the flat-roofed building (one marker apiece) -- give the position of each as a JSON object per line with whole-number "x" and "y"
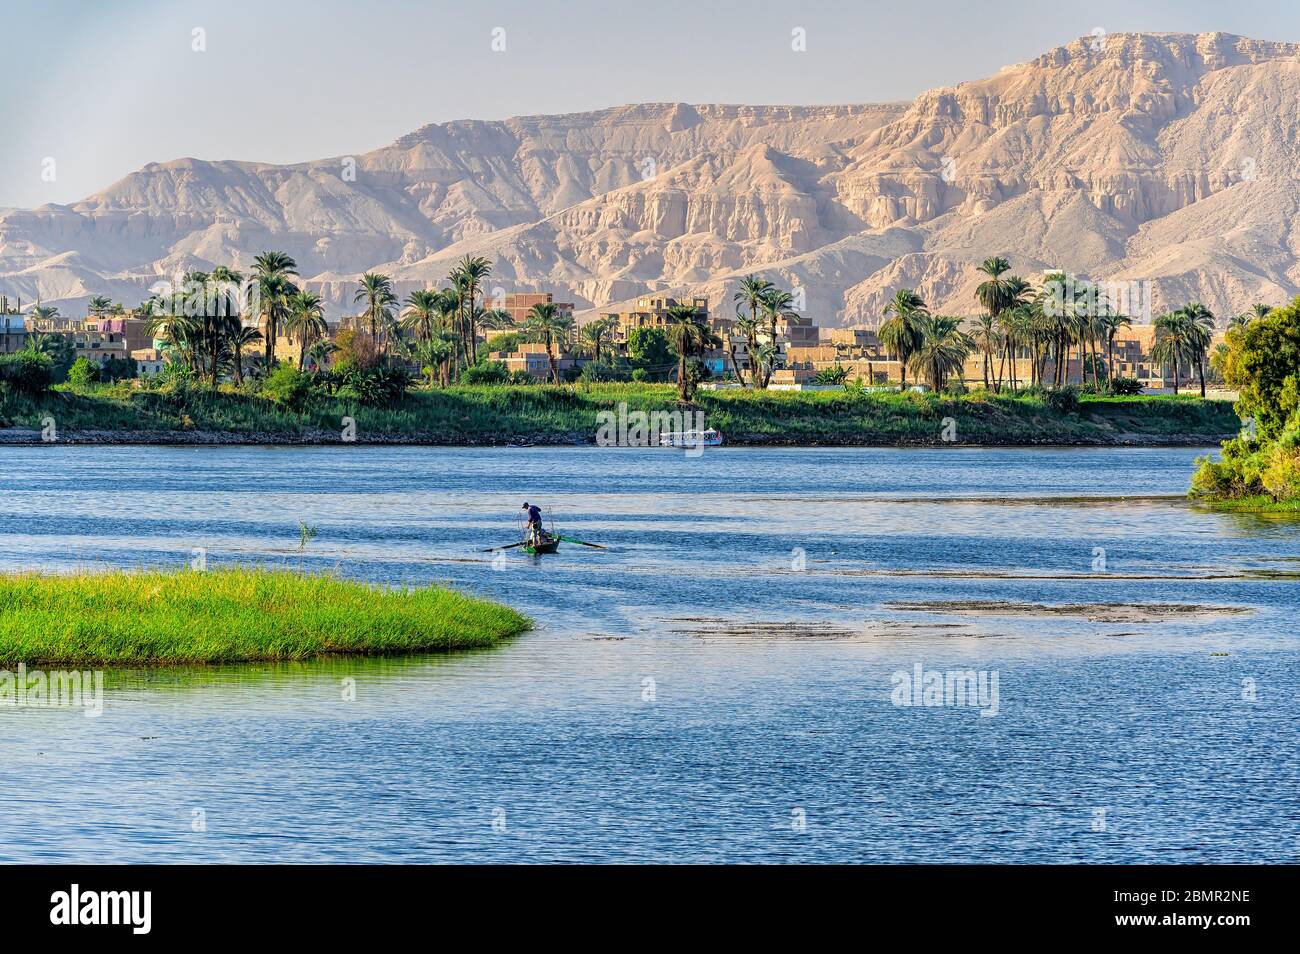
{"x": 531, "y": 357}
{"x": 652, "y": 312}
{"x": 859, "y": 339}
{"x": 798, "y": 331}
{"x": 518, "y": 305}
{"x": 13, "y": 333}
{"x": 149, "y": 361}
{"x": 134, "y": 331}
{"x": 99, "y": 346}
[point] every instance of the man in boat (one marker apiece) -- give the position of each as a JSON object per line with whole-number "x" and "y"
{"x": 535, "y": 532}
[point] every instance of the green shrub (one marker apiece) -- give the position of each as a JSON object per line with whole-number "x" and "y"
{"x": 290, "y": 387}
{"x": 832, "y": 375}
{"x": 379, "y": 386}
{"x": 486, "y": 372}
{"x": 506, "y": 343}
{"x": 27, "y": 372}
{"x": 1126, "y": 387}
{"x": 1057, "y": 400}
{"x": 82, "y": 373}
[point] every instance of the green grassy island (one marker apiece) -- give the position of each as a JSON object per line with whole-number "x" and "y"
{"x": 232, "y": 615}
{"x": 567, "y": 414}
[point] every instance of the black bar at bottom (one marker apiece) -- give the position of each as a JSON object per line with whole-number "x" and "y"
{"x": 333, "y": 904}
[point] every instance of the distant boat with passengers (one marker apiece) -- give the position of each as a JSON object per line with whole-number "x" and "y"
{"x": 705, "y": 438}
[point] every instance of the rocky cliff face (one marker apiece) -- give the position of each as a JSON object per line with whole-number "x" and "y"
{"x": 1169, "y": 159}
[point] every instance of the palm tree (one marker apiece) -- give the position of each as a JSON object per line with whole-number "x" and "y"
{"x": 44, "y": 312}
{"x": 753, "y": 290}
{"x": 1200, "y": 333}
{"x": 149, "y": 307}
{"x": 494, "y": 318}
{"x": 1012, "y": 319}
{"x": 320, "y": 352}
{"x": 99, "y": 306}
{"x": 458, "y": 296}
{"x": 986, "y": 337}
{"x": 307, "y": 321}
{"x": 546, "y": 321}
{"x": 40, "y": 342}
{"x": 595, "y": 332}
{"x": 762, "y": 360}
{"x": 377, "y": 292}
{"x": 1020, "y": 324}
{"x": 748, "y": 327}
{"x": 1063, "y": 305}
{"x": 245, "y": 335}
{"x": 901, "y": 333}
{"x": 271, "y": 271}
{"x": 942, "y": 350}
{"x": 432, "y": 355}
{"x": 1256, "y": 311}
{"x": 993, "y": 292}
{"x": 1111, "y": 324}
{"x": 471, "y": 271}
{"x": 422, "y": 310}
{"x": 776, "y": 304}
{"x": 689, "y": 333}
{"x": 162, "y": 327}
{"x": 448, "y": 326}
{"x": 217, "y": 319}
{"x": 1172, "y": 338}
{"x": 223, "y": 280}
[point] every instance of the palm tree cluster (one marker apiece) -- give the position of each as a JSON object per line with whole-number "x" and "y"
{"x": 203, "y": 326}
{"x": 1067, "y": 317}
{"x": 1046, "y": 327}
{"x": 439, "y": 329}
{"x": 1183, "y": 340}
{"x": 760, "y": 304}
{"x": 933, "y": 347}
{"x": 201, "y": 323}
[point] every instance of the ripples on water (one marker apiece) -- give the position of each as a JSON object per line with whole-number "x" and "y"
{"x": 749, "y": 592}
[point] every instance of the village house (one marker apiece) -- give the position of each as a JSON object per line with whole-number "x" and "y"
{"x": 13, "y": 333}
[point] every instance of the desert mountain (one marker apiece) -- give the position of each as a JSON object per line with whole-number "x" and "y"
{"x": 1164, "y": 158}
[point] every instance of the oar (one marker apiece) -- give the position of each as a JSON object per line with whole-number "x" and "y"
{"x": 506, "y": 547}
{"x": 583, "y": 543}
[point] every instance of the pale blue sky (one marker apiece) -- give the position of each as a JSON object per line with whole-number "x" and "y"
{"x": 105, "y": 87}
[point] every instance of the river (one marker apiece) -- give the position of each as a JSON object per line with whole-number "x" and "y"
{"x": 723, "y": 683}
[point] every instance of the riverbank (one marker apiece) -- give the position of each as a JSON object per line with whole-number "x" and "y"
{"x": 232, "y": 615}
{"x": 1260, "y": 504}
{"x": 541, "y": 414}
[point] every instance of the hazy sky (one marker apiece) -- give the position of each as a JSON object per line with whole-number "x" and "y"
{"x": 104, "y": 87}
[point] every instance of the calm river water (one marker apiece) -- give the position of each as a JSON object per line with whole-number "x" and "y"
{"x": 720, "y": 684}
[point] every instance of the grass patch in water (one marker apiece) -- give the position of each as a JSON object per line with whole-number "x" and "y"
{"x": 1258, "y": 504}
{"x": 232, "y": 615}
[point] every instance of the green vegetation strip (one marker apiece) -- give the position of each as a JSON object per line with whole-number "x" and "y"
{"x": 232, "y": 615}
{"x": 495, "y": 414}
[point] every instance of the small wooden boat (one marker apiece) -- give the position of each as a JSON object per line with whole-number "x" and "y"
{"x": 547, "y": 544}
